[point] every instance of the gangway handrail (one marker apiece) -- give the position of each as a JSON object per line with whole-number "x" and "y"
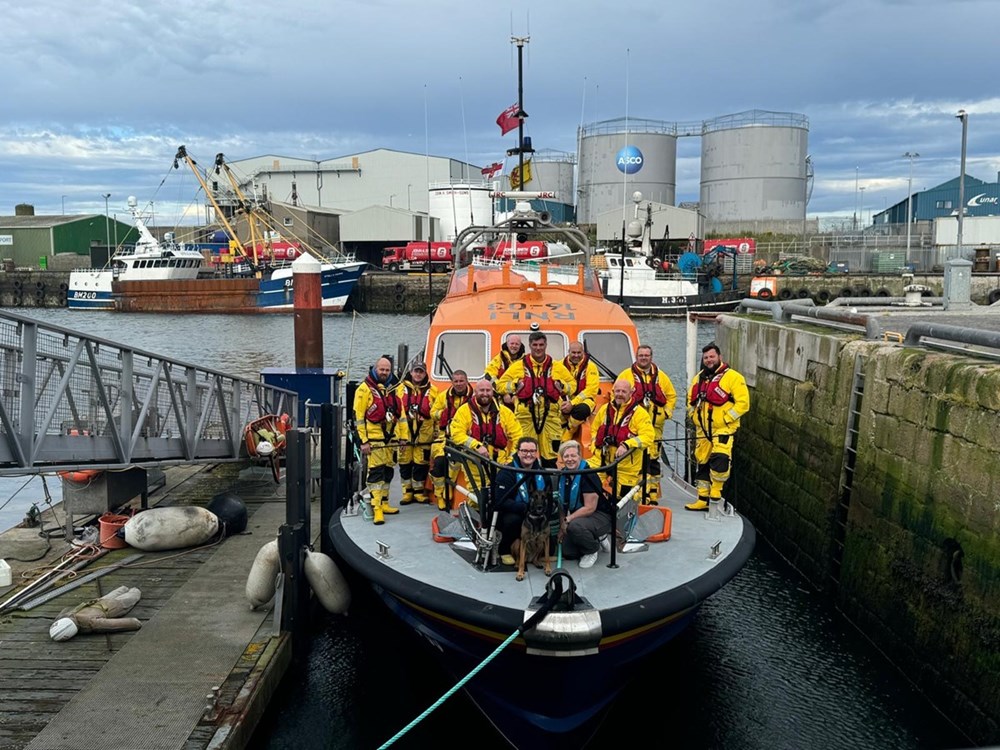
{"x": 97, "y": 403}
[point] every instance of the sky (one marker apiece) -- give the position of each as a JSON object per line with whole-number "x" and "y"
{"x": 96, "y": 97}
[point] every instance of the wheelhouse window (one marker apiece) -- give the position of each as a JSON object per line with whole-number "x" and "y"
{"x": 465, "y": 350}
{"x": 611, "y": 349}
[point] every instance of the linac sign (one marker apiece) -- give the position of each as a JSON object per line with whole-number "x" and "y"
{"x": 629, "y": 160}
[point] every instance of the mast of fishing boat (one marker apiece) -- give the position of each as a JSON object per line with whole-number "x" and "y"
{"x": 242, "y": 203}
{"x": 193, "y": 165}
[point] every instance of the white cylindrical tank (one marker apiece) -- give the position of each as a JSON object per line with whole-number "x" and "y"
{"x": 460, "y": 205}
{"x": 619, "y": 157}
{"x": 753, "y": 167}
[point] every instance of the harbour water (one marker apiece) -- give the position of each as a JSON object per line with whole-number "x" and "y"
{"x": 766, "y": 664}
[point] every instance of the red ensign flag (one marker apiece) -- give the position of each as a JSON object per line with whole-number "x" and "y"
{"x": 508, "y": 119}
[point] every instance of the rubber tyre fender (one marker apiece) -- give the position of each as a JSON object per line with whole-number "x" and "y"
{"x": 64, "y": 287}
{"x": 993, "y": 296}
{"x": 823, "y": 295}
{"x": 883, "y": 292}
{"x": 18, "y": 285}
{"x": 863, "y": 292}
{"x": 400, "y": 288}
{"x": 40, "y": 286}
{"x": 766, "y": 294}
{"x": 785, "y": 294}
{"x": 803, "y": 293}
{"x": 846, "y": 292}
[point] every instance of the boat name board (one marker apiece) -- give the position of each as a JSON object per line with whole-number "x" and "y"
{"x": 84, "y": 295}
{"x": 526, "y": 311}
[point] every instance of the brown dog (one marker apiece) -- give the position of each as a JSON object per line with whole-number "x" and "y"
{"x": 534, "y": 543}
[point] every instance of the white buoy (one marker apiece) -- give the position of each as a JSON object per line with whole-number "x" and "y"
{"x": 261, "y": 583}
{"x": 327, "y": 582}
{"x": 171, "y": 528}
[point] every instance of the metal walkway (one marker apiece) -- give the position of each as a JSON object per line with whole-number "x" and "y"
{"x": 69, "y": 401}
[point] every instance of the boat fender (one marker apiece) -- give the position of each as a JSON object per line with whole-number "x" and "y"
{"x": 232, "y": 512}
{"x": 171, "y": 528}
{"x": 262, "y": 581}
{"x": 327, "y": 582}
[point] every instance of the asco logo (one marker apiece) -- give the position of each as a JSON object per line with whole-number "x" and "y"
{"x": 629, "y": 160}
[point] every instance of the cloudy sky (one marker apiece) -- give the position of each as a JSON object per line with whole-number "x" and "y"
{"x": 96, "y": 97}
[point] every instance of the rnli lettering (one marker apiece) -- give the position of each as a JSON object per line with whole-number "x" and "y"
{"x": 528, "y": 312}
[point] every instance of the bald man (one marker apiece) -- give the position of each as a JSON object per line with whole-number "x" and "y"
{"x": 620, "y": 426}
{"x": 376, "y": 414}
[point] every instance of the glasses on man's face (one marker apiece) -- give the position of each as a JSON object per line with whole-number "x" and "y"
{"x": 527, "y": 450}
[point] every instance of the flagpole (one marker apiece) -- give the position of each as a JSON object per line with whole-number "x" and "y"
{"x": 430, "y": 233}
{"x": 579, "y": 145}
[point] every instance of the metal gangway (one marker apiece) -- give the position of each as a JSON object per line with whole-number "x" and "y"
{"x": 70, "y": 401}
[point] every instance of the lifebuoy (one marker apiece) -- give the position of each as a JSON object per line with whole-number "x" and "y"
{"x": 994, "y": 296}
{"x": 785, "y": 294}
{"x": 81, "y": 476}
{"x": 764, "y": 293}
{"x": 823, "y": 295}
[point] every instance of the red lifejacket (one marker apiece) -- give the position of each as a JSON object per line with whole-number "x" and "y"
{"x": 709, "y": 389}
{"x": 451, "y": 403}
{"x": 486, "y": 426}
{"x": 383, "y": 403}
{"x": 507, "y": 359}
{"x": 415, "y": 401}
{"x": 543, "y": 382}
{"x": 581, "y": 374}
{"x": 614, "y": 432}
{"x": 651, "y": 389}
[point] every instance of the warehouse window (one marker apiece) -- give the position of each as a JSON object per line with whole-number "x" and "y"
{"x": 288, "y": 221}
{"x": 942, "y": 204}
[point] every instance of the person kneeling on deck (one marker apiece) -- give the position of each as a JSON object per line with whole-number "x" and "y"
{"x": 620, "y": 426}
{"x": 376, "y": 412}
{"x": 718, "y": 399}
{"x": 416, "y": 432}
{"x": 102, "y": 615}
{"x": 442, "y": 413}
{"x": 511, "y": 496}
{"x": 588, "y": 512}
{"x": 577, "y": 409}
{"x": 487, "y": 428}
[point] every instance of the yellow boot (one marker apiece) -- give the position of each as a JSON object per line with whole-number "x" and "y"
{"x": 377, "y": 518}
{"x": 388, "y": 509}
{"x": 407, "y": 497}
{"x": 700, "y": 504}
{"x": 439, "y": 493}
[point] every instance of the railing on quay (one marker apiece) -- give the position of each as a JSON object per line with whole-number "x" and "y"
{"x": 70, "y": 401}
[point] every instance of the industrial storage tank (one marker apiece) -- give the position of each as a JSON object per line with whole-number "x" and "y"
{"x": 458, "y": 205}
{"x": 621, "y": 156}
{"x": 552, "y": 170}
{"x": 753, "y": 168}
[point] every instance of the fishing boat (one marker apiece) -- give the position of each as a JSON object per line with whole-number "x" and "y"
{"x": 643, "y": 285}
{"x": 550, "y": 685}
{"x": 148, "y": 260}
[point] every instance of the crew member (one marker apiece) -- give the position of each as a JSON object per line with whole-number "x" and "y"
{"x": 539, "y": 382}
{"x": 619, "y": 426}
{"x": 442, "y": 413}
{"x": 718, "y": 399}
{"x": 512, "y": 350}
{"x": 415, "y": 432}
{"x": 588, "y": 510}
{"x": 654, "y": 391}
{"x": 376, "y": 412}
{"x": 577, "y": 410}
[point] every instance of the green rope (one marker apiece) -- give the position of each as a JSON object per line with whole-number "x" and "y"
{"x": 453, "y": 690}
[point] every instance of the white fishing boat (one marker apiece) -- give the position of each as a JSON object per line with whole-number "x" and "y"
{"x": 147, "y": 260}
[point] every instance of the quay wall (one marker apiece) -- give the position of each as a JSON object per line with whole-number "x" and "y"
{"x": 902, "y": 527}
{"x": 33, "y": 288}
{"x": 403, "y": 293}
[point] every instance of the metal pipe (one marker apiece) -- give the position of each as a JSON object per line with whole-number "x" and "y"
{"x": 944, "y": 332}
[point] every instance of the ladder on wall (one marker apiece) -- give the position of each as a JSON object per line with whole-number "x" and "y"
{"x": 851, "y": 435}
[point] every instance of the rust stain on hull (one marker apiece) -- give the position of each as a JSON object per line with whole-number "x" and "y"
{"x": 192, "y": 295}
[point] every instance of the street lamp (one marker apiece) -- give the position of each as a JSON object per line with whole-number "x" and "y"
{"x": 854, "y": 228}
{"x": 63, "y": 206}
{"x": 909, "y": 202}
{"x": 964, "y": 117}
{"x": 107, "y": 223}
{"x": 390, "y": 199}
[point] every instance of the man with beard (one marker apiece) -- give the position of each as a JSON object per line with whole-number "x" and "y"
{"x": 620, "y": 426}
{"x": 442, "y": 413}
{"x": 538, "y": 383}
{"x": 416, "y": 432}
{"x": 376, "y": 414}
{"x": 486, "y": 427}
{"x": 718, "y": 399}
{"x": 577, "y": 410}
{"x": 656, "y": 393}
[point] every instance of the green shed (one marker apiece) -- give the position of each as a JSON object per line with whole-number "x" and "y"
{"x": 26, "y": 238}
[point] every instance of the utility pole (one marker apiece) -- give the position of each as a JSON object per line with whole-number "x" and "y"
{"x": 107, "y": 225}
{"x": 909, "y": 202}
{"x": 964, "y": 117}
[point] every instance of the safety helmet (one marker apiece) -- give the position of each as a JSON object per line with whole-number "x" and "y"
{"x": 264, "y": 448}
{"x": 63, "y": 629}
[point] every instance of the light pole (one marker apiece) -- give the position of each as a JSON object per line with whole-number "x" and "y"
{"x": 964, "y": 117}
{"x": 854, "y": 227}
{"x": 909, "y": 202}
{"x": 107, "y": 223}
{"x": 408, "y": 197}
{"x": 861, "y": 211}
{"x": 63, "y": 206}
{"x": 390, "y": 199}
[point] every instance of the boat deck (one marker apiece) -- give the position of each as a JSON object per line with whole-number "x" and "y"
{"x": 664, "y": 566}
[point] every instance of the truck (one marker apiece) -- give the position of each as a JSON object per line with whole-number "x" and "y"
{"x": 527, "y": 250}
{"x": 413, "y": 256}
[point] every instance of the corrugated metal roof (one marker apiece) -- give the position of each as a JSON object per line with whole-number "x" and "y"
{"x": 41, "y": 222}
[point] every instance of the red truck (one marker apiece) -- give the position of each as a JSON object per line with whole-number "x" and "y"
{"x": 413, "y": 256}
{"x": 530, "y": 250}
